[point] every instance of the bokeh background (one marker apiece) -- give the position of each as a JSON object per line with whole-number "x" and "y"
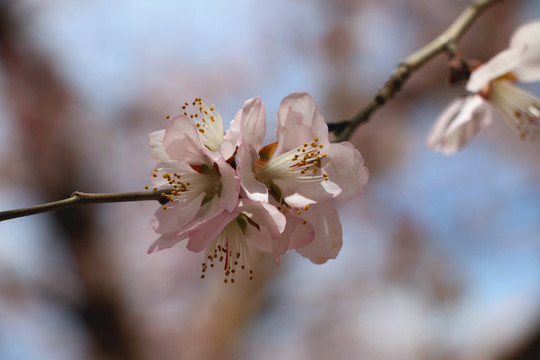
{"x": 441, "y": 255}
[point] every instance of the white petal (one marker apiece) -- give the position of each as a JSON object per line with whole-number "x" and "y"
{"x": 458, "y": 124}
{"x": 176, "y": 216}
{"x": 527, "y": 37}
{"x": 271, "y": 223}
{"x": 208, "y": 231}
{"x": 298, "y": 194}
{"x": 300, "y": 108}
{"x": 253, "y": 120}
{"x": 345, "y": 167}
{"x": 251, "y": 187}
{"x": 155, "y": 140}
{"x": 328, "y": 234}
{"x": 505, "y": 62}
{"x": 293, "y": 137}
{"x": 230, "y": 185}
{"x": 166, "y": 241}
{"x": 182, "y": 142}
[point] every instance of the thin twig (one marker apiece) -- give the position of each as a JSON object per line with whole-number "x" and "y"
{"x": 446, "y": 42}
{"x": 80, "y": 198}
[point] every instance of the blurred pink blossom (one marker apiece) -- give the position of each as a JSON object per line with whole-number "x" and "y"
{"x": 490, "y": 85}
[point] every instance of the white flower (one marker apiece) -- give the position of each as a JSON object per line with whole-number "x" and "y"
{"x": 491, "y": 86}
{"x": 192, "y": 154}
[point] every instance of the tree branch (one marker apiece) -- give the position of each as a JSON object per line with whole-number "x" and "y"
{"x": 446, "y": 42}
{"x": 80, "y": 198}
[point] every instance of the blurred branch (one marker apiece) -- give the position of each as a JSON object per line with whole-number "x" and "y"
{"x": 446, "y": 42}
{"x": 80, "y": 198}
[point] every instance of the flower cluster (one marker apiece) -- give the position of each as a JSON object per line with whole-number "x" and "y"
{"x": 490, "y": 86}
{"x": 225, "y": 192}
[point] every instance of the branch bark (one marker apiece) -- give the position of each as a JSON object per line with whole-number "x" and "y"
{"x": 446, "y": 42}
{"x": 80, "y": 198}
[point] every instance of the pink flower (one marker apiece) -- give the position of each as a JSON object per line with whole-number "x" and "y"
{"x": 192, "y": 163}
{"x": 314, "y": 231}
{"x": 228, "y": 236}
{"x": 299, "y": 171}
{"x": 221, "y": 184}
{"x": 302, "y": 167}
{"x": 491, "y": 86}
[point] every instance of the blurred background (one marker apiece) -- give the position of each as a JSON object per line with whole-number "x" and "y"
{"x": 441, "y": 255}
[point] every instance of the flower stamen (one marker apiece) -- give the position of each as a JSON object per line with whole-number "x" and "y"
{"x": 300, "y": 164}
{"x": 229, "y": 247}
{"x": 208, "y": 122}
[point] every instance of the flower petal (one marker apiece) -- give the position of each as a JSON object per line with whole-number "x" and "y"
{"x": 182, "y": 142}
{"x": 253, "y": 120}
{"x": 166, "y": 241}
{"x": 527, "y": 37}
{"x": 503, "y": 63}
{"x": 251, "y": 187}
{"x": 458, "y": 124}
{"x": 155, "y": 140}
{"x": 297, "y": 233}
{"x": 300, "y": 194}
{"x": 300, "y": 108}
{"x": 271, "y": 224}
{"x": 201, "y": 236}
{"x": 345, "y": 167}
{"x": 293, "y": 137}
{"x": 176, "y": 216}
{"x": 328, "y": 234}
{"x": 230, "y": 185}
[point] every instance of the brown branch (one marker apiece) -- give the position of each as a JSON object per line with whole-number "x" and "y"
{"x": 80, "y": 198}
{"x": 446, "y": 42}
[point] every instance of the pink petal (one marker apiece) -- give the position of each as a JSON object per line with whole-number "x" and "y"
{"x": 155, "y": 140}
{"x": 251, "y": 187}
{"x": 293, "y": 137}
{"x": 300, "y": 108}
{"x": 177, "y": 216}
{"x": 527, "y": 37}
{"x": 345, "y": 167}
{"x": 458, "y": 124}
{"x": 229, "y": 143}
{"x": 298, "y": 233}
{"x": 166, "y": 241}
{"x": 328, "y": 234}
{"x": 505, "y": 62}
{"x": 253, "y": 120}
{"x": 182, "y": 142}
{"x": 200, "y": 237}
{"x": 300, "y": 194}
{"x": 261, "y": 239}
{"x": 521, "y": 59}
{"x": 230, "y": 185}
{"x": 271, "y": 222}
